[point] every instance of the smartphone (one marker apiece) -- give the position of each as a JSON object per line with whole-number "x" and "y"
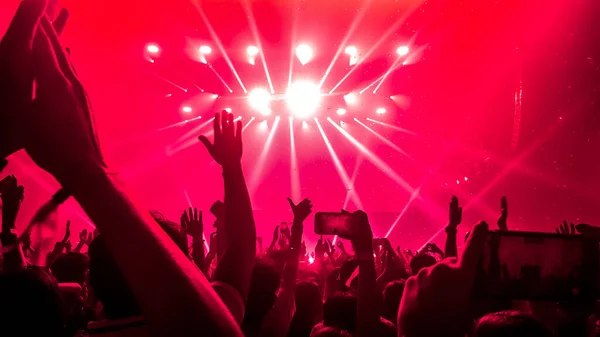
{"x": 538, "y": 266}
{"x": 334, "y": 224}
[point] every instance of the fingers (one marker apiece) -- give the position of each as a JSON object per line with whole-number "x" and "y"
{"x": 196, "y": 214}
{"x": 48, "y": 72}
{"x": 207, "y": 143}
{"x": 217, "y": 125}
{"x": 474, "y": 246}
{"x": 229, "y": 130}
{"x": 504, "y": 205}
{"x": 557, "y": 230}
{"x": 59, "y": 51}
{"x": 21, "y": 31}
{"x": 238, "y": 130}
{"x": 61, "y": 21}
{"x": 573, "y": 228}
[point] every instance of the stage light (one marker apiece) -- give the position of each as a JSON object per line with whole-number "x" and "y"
{"x": 205, "y": 50}
{"x": 152, "y": 48}
{"x": 303, "y": 98}
{"x": 311, "y": 260}
{"x": 304, "y": 53}
{"x": 186, "y": 109}
{"x": 228, "y": 110}
{"x": 350, "y": 98}
{"x": 351, "y": 50}
{"x": 380, "y": 111}
{"x": 262, "y": 126}
{"x": 341, "y": 111}
{"x": 252, "y": 50}
{"x": 304, "y": 125}
{"x": 260, "y": 100}
{"x": 402, "y": 50}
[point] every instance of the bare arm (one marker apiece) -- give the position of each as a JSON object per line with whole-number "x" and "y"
{"x": 235, "y": 267}
{"x": 455, "y": 219}
{"x": 12, "y": 196}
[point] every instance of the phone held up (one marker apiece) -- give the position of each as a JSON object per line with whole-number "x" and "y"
{"x": 334, "y": 224}
{"x": 538, "y": 266}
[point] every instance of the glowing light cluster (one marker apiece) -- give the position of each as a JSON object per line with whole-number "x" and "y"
{"x": 402, "y": 51}
{"x": 260, "y": 100}
{"x": 303, "y": 98}
{"x": 304, "y": 53}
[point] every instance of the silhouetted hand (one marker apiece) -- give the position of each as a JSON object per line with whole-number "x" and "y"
{"x": 362, "y": 238}
{"x": 67, "y": 232}
{"x": 12, "y": 195}
{"x": 63, "y": 138}
{"x": 191, "y": 222}
{"x": 16, "y": 74}
{"x": 301, "y": 211}
{"x": 436, "y": 301}
{"x": 455, "y": 214}
{"x": 227, "y": 147}
{"x": 565, "y": 228}
{"x": 502, "y": 224}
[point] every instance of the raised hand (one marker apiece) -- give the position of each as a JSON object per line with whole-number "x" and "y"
{"x": 227, "y": 147}
{"x": 191, "y": 222}
{"x": 12, "y": 195}
{"x": 565, "y": 228}
{"x": 301, "y": 211}
{"x": 503, "y": 214}
{"x": 340, "y": 246}
{"x": 16, "y": 74}
{"x": 61, "y": 112}
{"x": 67, "y": 232}
{"x": 455, "y": 214}
{"x": 362, "y": 237}
{"x": 436, "y": 302}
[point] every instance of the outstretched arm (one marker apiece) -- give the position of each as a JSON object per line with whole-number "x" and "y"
{"x": 455, "y": 218}
{"x": 63, "y": 143}
{"x": 12, "y": 196}
{"x": 278, "y": 320}
{"x": 235, "y": 267}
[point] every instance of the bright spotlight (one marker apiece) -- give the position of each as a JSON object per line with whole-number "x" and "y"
{"x": 205, "y": 50}
{"x": 303, "y": 98}
{"x": 341, "y": 111}
{"x": 252, "y": 50}
{"x": 186, "y": 109}
{"x": 260, "y": 100}
{"x": 350, "y": 98}
{"x": 351, "y": 50}
{"x": 228, "y": 110}
{"x": 262, "y": 126}
{"x": 152, "y": 48}
{"x": 402, "y": 50}
{"x": 304, "y": 53}
{"x": 380, "y": 111}
{"x": 304, "y": 125}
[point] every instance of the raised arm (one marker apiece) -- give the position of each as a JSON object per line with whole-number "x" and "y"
{"x": 63, "y": 143}
{"x": 192, "y": 222}
{"x": 455, "y": 218}
{"x": 235, "y": 267}
{"x": 277, "y": 322}
{"x": 12, "y": 196}
{"x": 367, "y": 314}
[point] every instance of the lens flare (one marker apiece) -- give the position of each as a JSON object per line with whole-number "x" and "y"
{"x": 351, "y": 98}
{"x": 303, "y": 99}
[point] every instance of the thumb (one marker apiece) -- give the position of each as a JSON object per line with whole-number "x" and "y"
{"x": 292, "y": 205}
{"x": 206, "y": 142}
{"x": 474, "y": 246}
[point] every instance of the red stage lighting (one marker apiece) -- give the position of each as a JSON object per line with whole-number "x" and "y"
{"x": 304, "y": 53}
{"x": 351, "y": 50}
{"x": 380, "y": 111}
{"x": 186, "y": 109}
{"x": 152, "y": 48}
{"x": 205, "y": 50}
{"x": 260, "y": 100}
{"x": 252, "y": 51}
{"x": 351, "y": 98}
{"x": 341, "y": 111}
{"x": 402, "y": 50}
{"x": 303, "y": 98}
